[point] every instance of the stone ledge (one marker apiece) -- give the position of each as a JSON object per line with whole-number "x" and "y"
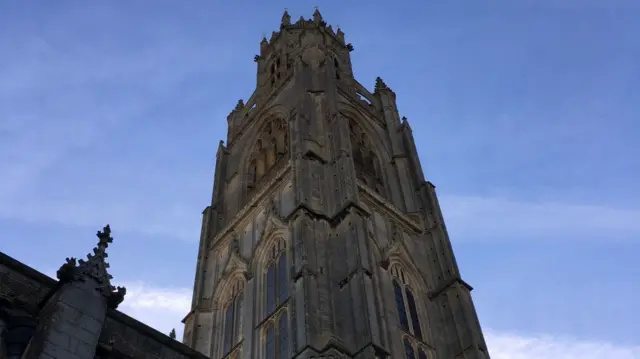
{"x": 140, "y": 338}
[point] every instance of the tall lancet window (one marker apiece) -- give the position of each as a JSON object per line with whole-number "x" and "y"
{"x": 406, "y": 304}
{"x": 232, "y": 321}
{"x": 408, "y": 350}
{"x": 276, "y": 278}
{"x": 269, "y": 152}
{"x": 276, "y": 285}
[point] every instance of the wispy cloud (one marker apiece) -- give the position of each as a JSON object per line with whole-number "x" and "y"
{"x": 468, "y": 217}
{"x": 164, "y": 308}
{"x": 160, "y": 308}
{"x": 513, "y": 346}
{"x": 500, "y": 218}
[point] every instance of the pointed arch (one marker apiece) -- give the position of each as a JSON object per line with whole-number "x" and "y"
{"x": 408, "y": 349}
{"x": 396, "y": 255}
{"x": 275, "y": 231}
{"x": 235, "y": 270}
{"x": 378, "y": 142}
{"x": 230, "y": 317}
{"x": 370, "y": 156}
{"x": 276, "y": 336}
{"x": 267, "y": 145}
{"x": 227, "y": 287}
{"x": 405, "y": 290}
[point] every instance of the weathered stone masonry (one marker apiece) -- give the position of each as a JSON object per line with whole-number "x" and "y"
{"x": 321, "y": 177}
{"x": 74, "y": 317}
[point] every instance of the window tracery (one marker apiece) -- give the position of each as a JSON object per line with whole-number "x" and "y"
{"x": 232, "y": 317}
{"x": 274, "y": 72}
{"x": 270, "y": 149}
{"x": 408, "y": 349}
{"x": 276, "y": 278}
{"x": 366, "y": 162}
{"x": 276, "y": 337}
{"x": 276, "y": 283}
{"x": 411, "y": 347}
{"x": 406, "y": 304}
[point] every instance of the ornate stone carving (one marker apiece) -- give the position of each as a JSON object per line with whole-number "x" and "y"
{"x": 367, "y": 163}
{"x": 95, "y": 268}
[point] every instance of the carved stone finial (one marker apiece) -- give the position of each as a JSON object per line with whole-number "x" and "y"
{"x": 317, "y": 17}
{"x": 67, "y": 271}
{"x": 240, "y": 105}
{"x": 380, "y": 85}
{"x": 116, "y": 296}
{"x": 94, "y": 268}
{"x": 172, "y": 334}
{"x": 286, "y": 19}
{"x": 340, "y": 35}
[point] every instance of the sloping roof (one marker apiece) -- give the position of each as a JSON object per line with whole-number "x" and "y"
{"x": 25, "y": 288}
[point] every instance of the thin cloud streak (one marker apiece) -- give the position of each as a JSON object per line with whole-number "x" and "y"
{"x": 467, "y": 217}
{"x": 470, "y": 217}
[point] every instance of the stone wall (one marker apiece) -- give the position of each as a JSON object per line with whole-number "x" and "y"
{"x": 127, "y": 337}
{"x": 22, "y": 284}
{"x": 24, "y": 290}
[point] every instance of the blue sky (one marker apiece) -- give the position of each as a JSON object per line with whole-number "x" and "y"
{"x": 525, "y": 113}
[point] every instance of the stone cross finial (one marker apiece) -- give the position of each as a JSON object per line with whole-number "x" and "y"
{"x": 172, "y": 335}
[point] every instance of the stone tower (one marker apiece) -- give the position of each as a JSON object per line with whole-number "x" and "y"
{"x": 323, "y": 238}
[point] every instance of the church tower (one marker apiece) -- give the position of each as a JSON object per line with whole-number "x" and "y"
{"x": 323, "y": 238}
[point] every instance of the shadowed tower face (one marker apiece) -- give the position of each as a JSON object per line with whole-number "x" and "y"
{"x": 323, "y": 238}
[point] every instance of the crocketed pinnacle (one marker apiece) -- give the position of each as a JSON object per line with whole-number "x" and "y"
{"x": 380, "y": 85}
{"x": 286, "y": 19}
{"x": 317, "y": 17}
{"x": 95, "y": 268}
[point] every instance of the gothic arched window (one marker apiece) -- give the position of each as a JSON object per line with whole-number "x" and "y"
{"x": 408, "y": 350}
{"x": 283, "y": 336}
{"x": 402, "y": 311}
{"x": 276, "y": 285}
{"x": 336, "y": 65}
{"x": 364, "y": 158}
{"x": 276, "y": 278}
{"x": 276, "y": 337}
{"x": 405, "y": 304}
{"x": 232, "y": 321}
{"x": 270, "y": 147}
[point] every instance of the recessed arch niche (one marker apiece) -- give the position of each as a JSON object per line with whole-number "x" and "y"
{"x": 270, "y": 148}
{"x": 365, "y": 159}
